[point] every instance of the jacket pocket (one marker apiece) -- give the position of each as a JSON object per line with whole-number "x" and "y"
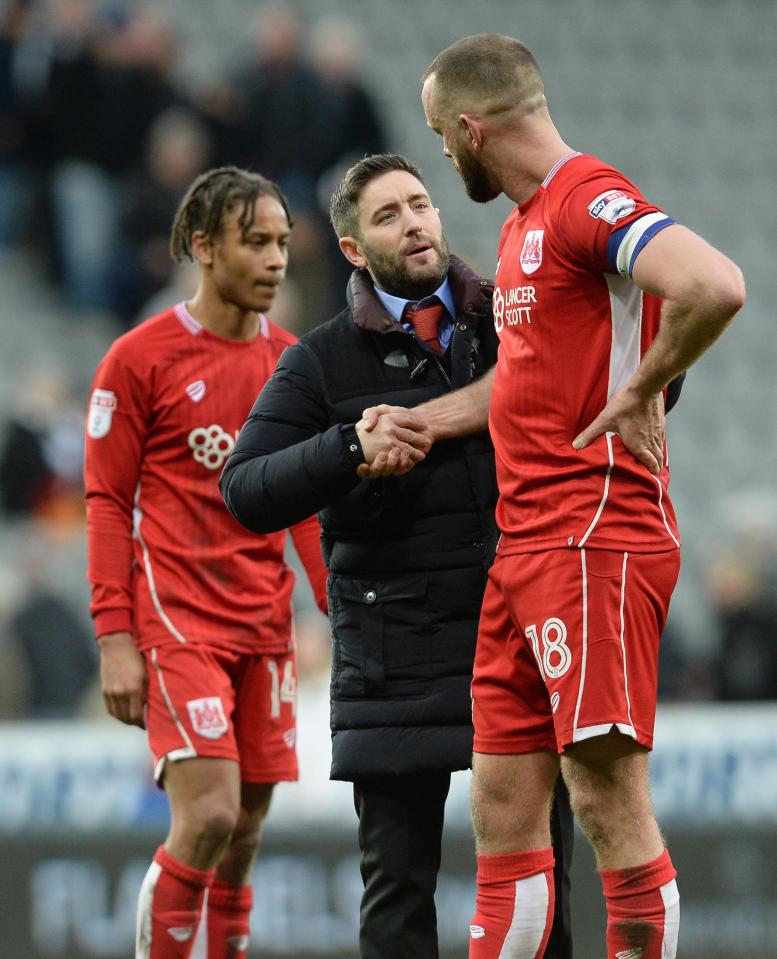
{"x": 380, "y": 637}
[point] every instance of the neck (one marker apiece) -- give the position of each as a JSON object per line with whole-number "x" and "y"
{"x": 223, "y": 319}
{"x": 537, "y": 145}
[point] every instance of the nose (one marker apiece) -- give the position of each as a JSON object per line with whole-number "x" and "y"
{"x": 277, "y": 257}
{"x": 413, "y": 223}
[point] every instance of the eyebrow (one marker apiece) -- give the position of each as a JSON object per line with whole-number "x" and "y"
{"x": 392, "y": 204}
{"x": 254, "y": 233}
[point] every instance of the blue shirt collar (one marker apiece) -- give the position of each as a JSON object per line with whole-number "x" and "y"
{"x": 395, "y": 305}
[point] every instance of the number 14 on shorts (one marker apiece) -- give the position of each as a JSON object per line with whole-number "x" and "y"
{"x": 283, "y": 689}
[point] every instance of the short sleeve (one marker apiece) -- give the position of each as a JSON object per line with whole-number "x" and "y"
{"x": 604, "y": 222}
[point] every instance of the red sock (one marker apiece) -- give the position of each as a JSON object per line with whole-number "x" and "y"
{"x": 643, "y": 910}
{"x": 229, "y": 911}
{"x": 514, "y": 906}
{"x": 169, "y": 907}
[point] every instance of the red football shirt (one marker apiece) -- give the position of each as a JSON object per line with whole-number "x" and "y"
{"x": 167, "y": 561}
{"x": 573, "y": 327}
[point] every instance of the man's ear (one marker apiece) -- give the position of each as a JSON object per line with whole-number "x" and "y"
{"x": 474, "y": 127}
{"x": 352, "y": 251}
{"x": 202, "y": 248}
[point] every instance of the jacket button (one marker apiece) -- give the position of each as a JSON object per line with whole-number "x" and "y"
{"x": 470, "y": 307}
{"x": 484, "y": 282}
{"x": 353, "y": 448}
{"x": 462, "y": 327}
{"x": 370, "y": 596}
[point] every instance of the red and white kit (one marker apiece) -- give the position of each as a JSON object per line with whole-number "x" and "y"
{"x": 573, "y": 328}
{"x": 167, "y": 561}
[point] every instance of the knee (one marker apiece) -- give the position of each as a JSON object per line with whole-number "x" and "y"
{"x": 490, "y": 795}
{"x": 212, "y": 821}
{"x": 592, "y": 816}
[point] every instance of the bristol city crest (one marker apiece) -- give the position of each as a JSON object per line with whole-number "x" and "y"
{"x": 531, "y": 254}
{"x": 207, "y": 716}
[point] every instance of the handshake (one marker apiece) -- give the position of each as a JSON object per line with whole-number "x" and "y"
{"x": 393, "y": 440}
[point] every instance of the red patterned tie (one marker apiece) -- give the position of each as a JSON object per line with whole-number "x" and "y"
{"x": 426, "y": 323}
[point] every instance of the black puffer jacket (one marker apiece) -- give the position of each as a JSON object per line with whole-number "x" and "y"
{"x": 407, "y": 556}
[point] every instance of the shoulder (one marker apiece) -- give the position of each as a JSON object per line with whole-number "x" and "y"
{"x": 332, "y": 333}
{"x": 144, "y": 343}
{"x": 585, "y": 180}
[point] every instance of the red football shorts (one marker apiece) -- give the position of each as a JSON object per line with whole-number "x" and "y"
{"x": 568, "y": 648}
{"x": 205, "y": 701}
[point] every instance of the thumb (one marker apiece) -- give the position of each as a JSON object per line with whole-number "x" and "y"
{"x": 369, "y": 419}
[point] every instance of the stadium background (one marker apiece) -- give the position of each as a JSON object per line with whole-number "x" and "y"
{"x": 679, "y": 94}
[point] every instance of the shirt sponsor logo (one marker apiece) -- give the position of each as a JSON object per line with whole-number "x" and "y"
{"x": 239, "y": 943}
{"x": 196, "y": 390}
{"x": 477, "y": 932}
{"x": 555, "y": 699}
{"x": 101, "y": 407}
{"x": 611, "y": 206}
{"x": 290, "y": 738}
{"x": 513, "y": 306}
{"x": 211, "y": 445}
{"x": 207, "y": 716}
{"x": 531, "y": 254}
{"x": 629, "y": 954}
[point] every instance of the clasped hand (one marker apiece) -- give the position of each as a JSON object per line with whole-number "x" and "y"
{"x": 393, "y": 440}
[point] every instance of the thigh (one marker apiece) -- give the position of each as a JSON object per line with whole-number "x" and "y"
{"x": 510, "y": 704}
{"x": 401, "y": 819}
{"x": 203, "y": 786}
{"x": 190, "y": 704}
{"x": 266, "y": 718}
{"x": 400, "y": 837}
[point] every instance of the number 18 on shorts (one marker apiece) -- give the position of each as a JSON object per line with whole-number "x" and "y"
{"x": 568, "y": 647}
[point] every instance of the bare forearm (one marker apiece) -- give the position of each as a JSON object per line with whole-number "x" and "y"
{"x": 461, "y": 412}
{"x": 702, "y": 290}
{"x": 687, "y": 331}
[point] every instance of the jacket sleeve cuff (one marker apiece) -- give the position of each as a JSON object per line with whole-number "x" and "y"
{"x": 112, "y": 621}
{"x": 352, "y": 446}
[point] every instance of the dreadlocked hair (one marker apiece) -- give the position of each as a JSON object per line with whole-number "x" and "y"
{"x": 211, "y": 197}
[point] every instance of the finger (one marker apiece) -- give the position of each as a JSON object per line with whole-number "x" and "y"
{"x": 589, "y": 434}
{"x": 379, "y": 464}
{"x": 117, "y": 708}
{"x": 392, "y": 463}
{"x": 135, "y": 710}
{"x": 372, "y": 414}
{"x": 407, "y": 420}
{"x": 420, "y": 441}
{"x": 649, "y": 460}
{"x": 374, "y": 470}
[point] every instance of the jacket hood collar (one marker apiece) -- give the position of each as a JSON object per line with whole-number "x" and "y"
{"x": 471, "y": 294}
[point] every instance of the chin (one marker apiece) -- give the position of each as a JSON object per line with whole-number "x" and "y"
{"x": 262, "y": 305}
{"x": 481, "y": 192}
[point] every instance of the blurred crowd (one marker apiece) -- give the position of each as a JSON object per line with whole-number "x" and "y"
{"x": 99, "y": 138}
